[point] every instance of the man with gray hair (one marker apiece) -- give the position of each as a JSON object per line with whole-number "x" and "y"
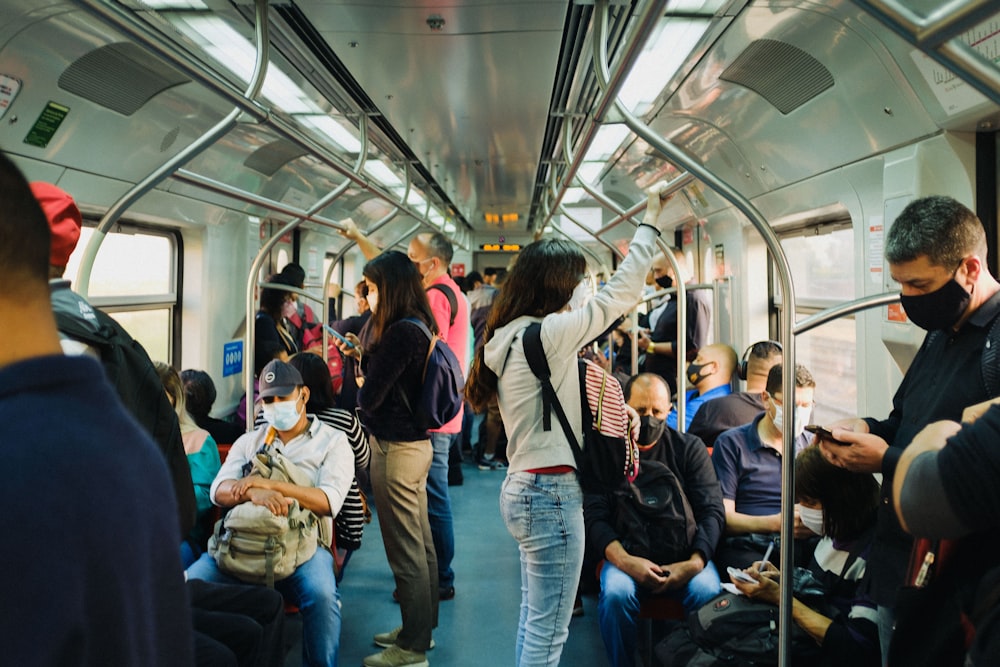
{"x": 936, "y": 251}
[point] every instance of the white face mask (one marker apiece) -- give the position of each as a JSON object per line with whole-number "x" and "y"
{"x": 811, "y": 518}
{"x": 372, "y": 300}
{"x": 282, "y": 415}
{"x": 288, "y": 309}
{"x": 581, "y": 296}
{"x": 799, "y": 421}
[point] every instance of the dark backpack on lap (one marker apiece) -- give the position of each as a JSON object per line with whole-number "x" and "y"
{"x": 654, "y": 517}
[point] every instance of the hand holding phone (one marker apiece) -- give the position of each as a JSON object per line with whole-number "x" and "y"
{"x": 336, "y": 334}
{"x": 825, "y": 434}
{"x": 739, "y": 575}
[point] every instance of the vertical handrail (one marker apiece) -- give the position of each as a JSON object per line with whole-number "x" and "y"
{"x": 741, "y": 203}
{"x": 194, "y": 149}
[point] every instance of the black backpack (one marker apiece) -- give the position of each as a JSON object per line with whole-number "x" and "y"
{"x": 653, "y": 517}
{"x": 132, "y": 374}
{"x": 605, "y": 462}
{"x": 441, "y": 386}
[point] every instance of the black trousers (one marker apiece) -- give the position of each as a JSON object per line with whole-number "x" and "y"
{"x": 242, "y": 626}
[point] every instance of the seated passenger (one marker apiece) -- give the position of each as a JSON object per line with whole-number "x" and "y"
{"x": 199, "y": 395}
{"x": 747, "y": 461}
{"x": 325, "y": 455}
{"x": 627, "y": 578}
{"x": 726, "y": 412}
{"x": 840, "y": 505}
{"x": 711, "y": 373}
{"x": 203, "y": 457}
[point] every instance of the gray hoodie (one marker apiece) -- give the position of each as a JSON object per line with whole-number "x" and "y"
{"x": 529, "y": 447}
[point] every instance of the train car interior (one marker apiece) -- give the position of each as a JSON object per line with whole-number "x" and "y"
{"x": 209, "y": 143}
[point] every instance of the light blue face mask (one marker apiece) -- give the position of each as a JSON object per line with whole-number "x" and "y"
{"x": 282, "y": 415}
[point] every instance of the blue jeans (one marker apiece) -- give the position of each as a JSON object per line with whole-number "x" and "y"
{"x": 312, "y": 589}
{"x": 439, "y": 507}
{"x": 618, "y": 607}
{"x": 544, "y": 513}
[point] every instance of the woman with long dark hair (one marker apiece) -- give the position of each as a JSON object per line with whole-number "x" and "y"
{"x": 392, "y": 362}
{"x": 541, "y": 500}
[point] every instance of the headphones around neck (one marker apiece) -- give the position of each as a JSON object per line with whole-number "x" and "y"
{"x": 742, "y": 367}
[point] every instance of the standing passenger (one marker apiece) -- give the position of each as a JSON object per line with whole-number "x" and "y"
{"x": 431, "y": 254}
{"x": 393, "y": 362}
{"x": 660, "y": 344}
{"x": 541, "y": 500}
{"x": 936, "y": 251}
{"x": 89, "y": 537}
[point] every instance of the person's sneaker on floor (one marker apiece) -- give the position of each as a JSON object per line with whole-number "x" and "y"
{"x": 491, "y": 463}
{"x": 387, "y": 639}
{"x": 394, "y": 656}
{"x": 578, "y": 606}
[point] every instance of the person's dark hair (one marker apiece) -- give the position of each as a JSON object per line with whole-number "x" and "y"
{"x": 361, "y": 288}
{"x": 272, "y": 299}
{"x": 850, "y": 500}
{"x": 765, "y": 350}
{"x": 460, "y": 281}
{"x": 315, "y": 375}
{"x": 803, "y": 378}
{"x": 199, "y": 390}
{"x": 645, "y": 377}
{"x": 400, "y": 293}
{"x": 490, "y": 271}
{"x": 295, "y": 273}
{"x": 472, "y": 278}
{"x": 939, "y": 227}
{"x": 439, "y": 246}
{"x": 541, "y": 283}
{"x": 25, "y": 238}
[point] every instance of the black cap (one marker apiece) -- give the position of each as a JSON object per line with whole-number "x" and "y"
{"x": 279, "y": 379}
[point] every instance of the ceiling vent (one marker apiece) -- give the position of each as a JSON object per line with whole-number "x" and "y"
{"x": 121, "y": 77}
{"x": 271, "y": 157}
{"x": 784, "y": 75}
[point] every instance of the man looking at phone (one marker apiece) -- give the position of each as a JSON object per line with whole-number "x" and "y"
{"x": 936, "y": 250}
{"x": 625, "y": 577}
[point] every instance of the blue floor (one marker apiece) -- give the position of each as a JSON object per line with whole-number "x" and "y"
{"x": 476, "y": 628}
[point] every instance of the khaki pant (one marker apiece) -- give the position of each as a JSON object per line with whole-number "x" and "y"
{"x": 399, "y": 481}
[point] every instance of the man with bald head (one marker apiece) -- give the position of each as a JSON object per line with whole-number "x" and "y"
{"x": 660, "y": 343}
{"x": 628, "y": 577}
{"x": 711, "y": 373}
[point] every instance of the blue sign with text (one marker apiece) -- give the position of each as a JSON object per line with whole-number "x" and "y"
{"x": 232, "y": 358}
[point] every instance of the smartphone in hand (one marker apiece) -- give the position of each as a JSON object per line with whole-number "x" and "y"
{"x": 336, "y": 334}
{"x": 825, "y": 434}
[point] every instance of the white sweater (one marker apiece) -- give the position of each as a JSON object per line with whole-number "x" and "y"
{"x": 563, "y": 334}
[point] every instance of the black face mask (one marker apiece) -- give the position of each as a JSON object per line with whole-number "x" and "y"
{"x": 650, "y": 430}
{"x": 939, "y": 309}
{"x": 694, "y": 374}
{"x": 665, "y": 282}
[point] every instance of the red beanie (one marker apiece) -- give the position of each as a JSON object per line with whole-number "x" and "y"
{"x": 64, "y": 220}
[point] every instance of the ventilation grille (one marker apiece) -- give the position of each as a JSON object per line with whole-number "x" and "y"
{"x": 273, "y": 156}
{"x": 121, "y": 77}
{"x": 784, "y": 75}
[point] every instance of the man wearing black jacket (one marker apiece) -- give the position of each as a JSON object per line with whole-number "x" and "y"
{"x": 627, "y": 578}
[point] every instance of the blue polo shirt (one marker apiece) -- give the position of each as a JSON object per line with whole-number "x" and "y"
{"x": 694, "y": 401}
{"x": 749, "y": 470}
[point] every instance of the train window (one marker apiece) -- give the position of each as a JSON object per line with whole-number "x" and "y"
{"x": 146, "y": 302}
{"x": 822, "y": 264}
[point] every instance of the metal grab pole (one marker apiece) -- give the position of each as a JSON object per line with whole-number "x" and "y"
{"x": 194, "y": 149}
{"x": 846, "y": 308}
{"x": 741, "y": 203}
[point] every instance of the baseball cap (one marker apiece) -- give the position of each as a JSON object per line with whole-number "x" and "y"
{"x": 279, "y": 379}
{"x": 64, "y": 220}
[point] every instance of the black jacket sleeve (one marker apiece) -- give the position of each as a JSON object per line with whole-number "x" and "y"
{"x": 702, "y": 488}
